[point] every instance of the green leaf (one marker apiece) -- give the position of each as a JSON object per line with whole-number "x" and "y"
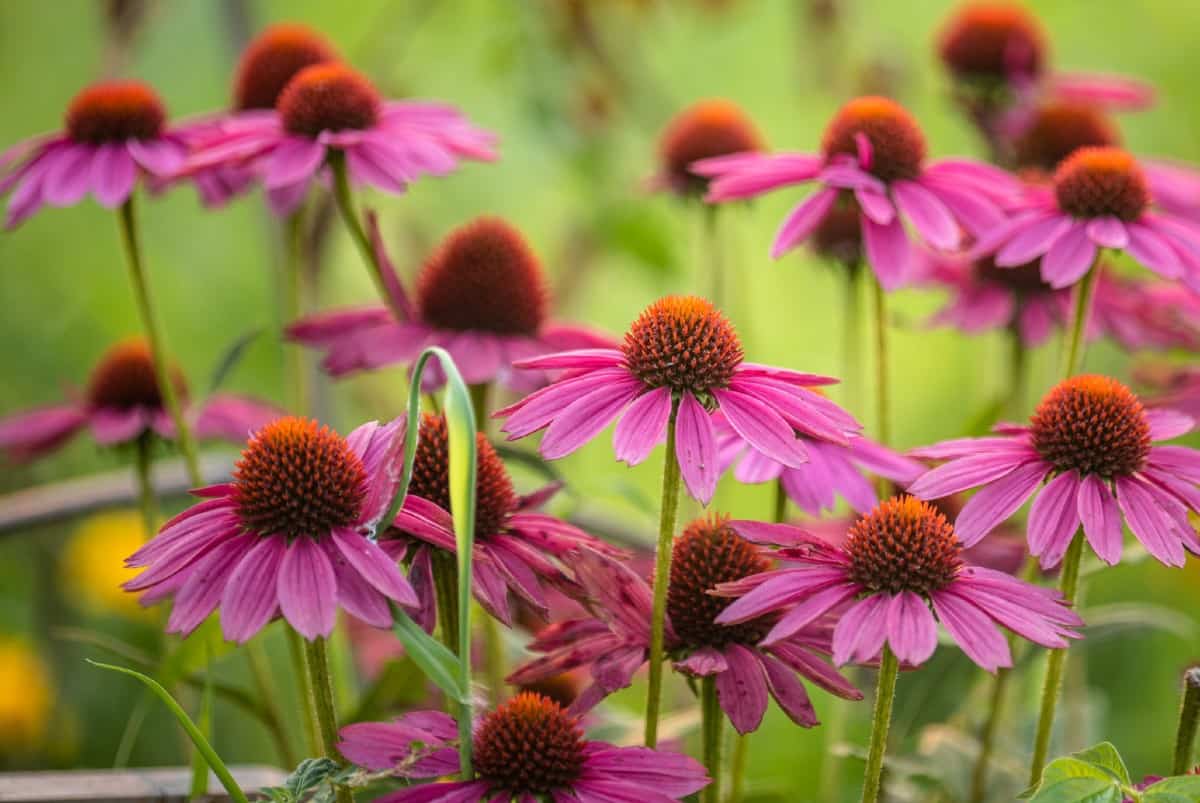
{"x": 437, "y": 662}
{"x": 1167, "y": 797}
{"x": 1079, "y": 790}
{"x": 1179, "y": 785}
{"x": 189, "y": 727}
{"x": 231, "y": 357}
{"x": 1105, "y": 756}
{"x": 1061, "y": 769}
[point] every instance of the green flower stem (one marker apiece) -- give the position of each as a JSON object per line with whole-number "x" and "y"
{"x": 987, "y": 737}
{"x": 883, "y": 397}
{"x": 304, "y": 683}
{"x": 317, "y": 659}
{"x": 1018, "y": 375}
{"x": 1080, "y": 316}
{"x": 852, "y": 336}
{"x": 445, "y": 586}
{"x": 714, "y": 256}
{"x": 780, "y": 503}
{"x": 270, "y": 712}
{"x": 885, "y": 695}
{"x": 127, "y": 223}
{"x": 1055, "y": 663}
{"x": 345, "y": 203}
{"x": 741, "y": 751}
{"x": 662, "y": 576}
{"x": 295, "y": 363}
{"x": 1189, "y": 717}
{"x": 147, "y": 499}
{"x": 711, "y": 720}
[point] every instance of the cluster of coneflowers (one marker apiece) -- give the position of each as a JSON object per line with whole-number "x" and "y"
{"x": 312, "y": 522}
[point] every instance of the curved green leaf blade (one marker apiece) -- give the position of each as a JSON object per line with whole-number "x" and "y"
{"x": 214, "y": 761}
{"x": 438, "y": 663}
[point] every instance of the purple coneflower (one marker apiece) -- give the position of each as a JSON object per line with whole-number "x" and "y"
{"x": 1100, "y": 198}
{"x": 704, "y": 130}
{"x": 832, "y": 470}
{"x": 527, "y": 749}
{"x": 614, "y": 644}
{"x": 329, "y": 110}
{"x": 517, "y": 549}
{"x": 680, "y": 359}
{"x": 122, "y": 403}
{"x": 897, "y": 561}
{"x": 1175, "y": 388}
{"x": 115, "y": 131}
{"x": 286, "y": 536}
{"x": 1092, "y": 437}
{"x": 481, "y": 295}
{"x": 872, "y": 151}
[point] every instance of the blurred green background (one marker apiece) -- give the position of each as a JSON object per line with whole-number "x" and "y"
{"x": 578, "y": 116}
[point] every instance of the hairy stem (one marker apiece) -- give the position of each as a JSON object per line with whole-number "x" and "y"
{"x": 344, "y": 198}
{"x": 1189, "y": 716}
{"x": 885, "y": 695}
{"x": 662, "y": 577}
{"x": 711, "y": 720}
{"x": 317, "y": 659}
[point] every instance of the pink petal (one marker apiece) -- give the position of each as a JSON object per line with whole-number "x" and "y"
{"x": 163, "y": 157}
{"x": 928, "y": 214}
{"x": 807, "y": 612}
{"x": 967, "y": 472}
{"x": 1150, "y": 522}
{"x": 1166, "y": 424}
{"x": 1108, "y": 232}
{"x": 307, "y": 589}
{"x": 875, "y": 205}
{"x": 295, "y": 160}
{"x": 911, "y": 628}
{"x": 761, "y": 426}
{"x": 1071, "y": 256}
{"x": 199, "y": 595}
{"x": 1054, "y": 518}
{"x": 984, "y": 511}
{"x": 31, "y": 433}
{"x": 374, "y": 566}
{"x": 789, "y": 692}
{"x": 860, "y": 633}
{"x": 1101, "y": 518}
{"x": 696, "y": 449}
{"x": 642, "y": 427}
{"x": 973, "y": 632}
{"x": 585, "y": 417}
{"x": 1032, "y": 240}
{"x": 68, "y": 175}
{"x": 702, "y": 662}
{"x": 888, "y": 252}
{"x": 1149, "y": 247}
{"x": 742, "y": 691}
{"x": 802, "y": 221}
{"x": 250, "y": 597}
{"x": 113, "y": 175}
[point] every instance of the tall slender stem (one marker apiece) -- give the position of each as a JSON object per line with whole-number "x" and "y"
{"x": 317, "y": 659}
{"x": 479, "y": 402}
{"x": 779, "y": 508}
{"x": 1189, "y": 717}
{"x": 445, "y": 586}
{"x": 147, "y": 499}
{"x": 885, "y": 695}
{"x": 344, "y": 199}
{"x": 714, "y": 256}
{"x": 1018, "y": 374}
{"x": 881, "y": 366}
{"x": 304, "y": 683}
{"x": 711, "y": 720}
{"x": 741, "y": 752}
{"x": 260, "y": 673}
{"x": 295, "y": 364}
{"x": 1079, "y": 319}
{"x": 1056, "y": 661}
{"x": 987, "y": 736}
{"x": 851, "y": 335}
{"x": 127, "y": 222}
{"x": 662, "y": 577}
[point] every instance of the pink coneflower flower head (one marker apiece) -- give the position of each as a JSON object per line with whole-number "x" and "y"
{"x": 832, "y": 470}
{"x": 115, "y": 131}
{"x": 122, "y": 404}
{"x": 481, "y": 295}
{"x": 902, "y": 571}
{"x": 873, "y": 153}
{"x": 681, "y": 353}
{"x": 1099, "y": 199}
{"x": 1092, "y": 437}
{"x": 993, "y": 44}
{"x": 704, "y": 130}
{"x": 527, "y": 749}
{"x": 286, "y": 536}
{"x": 329, "y": 108}
{"x": 615, "y": 643}
{"x": 518, "y": 550}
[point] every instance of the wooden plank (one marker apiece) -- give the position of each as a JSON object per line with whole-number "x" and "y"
{"x": 151, "y": 785}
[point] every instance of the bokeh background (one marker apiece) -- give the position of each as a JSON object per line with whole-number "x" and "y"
{"x": 578, "y": 92}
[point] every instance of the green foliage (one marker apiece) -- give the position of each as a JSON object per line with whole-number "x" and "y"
{"x": 1098, "y": 775}
{"x": 307, "y": 778}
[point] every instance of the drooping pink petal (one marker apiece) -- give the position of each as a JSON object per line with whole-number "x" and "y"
{"x": 1054, "y": 518}
{"x": 581, "y": 359}
{"x": 29, "y": 434}
{"x": 294, "y": 160}
{"x": 642, "y": 427}
{"x": 374, "y": 566}
{"x": 113, "y": 175}
{"x": 68, "y": 175}
{"x": 911, "y": 628}
{"x": 702, "y": 662}
{"x": 199, "y": 595}
{"x": 802, "y": 221}
{"x": 973, "y": 631}
{"x": 112, "y": 425}
{"x": 307, "y": 589}
{"x": 1101, "y": 518}
{"x": 1071, "y": 256}
{"x": 815, "y": 670}
{"x": 1033, "y": 239}
{"x": 250, "y": 598}
{"x": 928, "y": 215}
{"x": 742, "y": 691}
{"x": 861, "y": 631}
{"x": 1178, "y": 460}
{"x": 1150, "y": 247}
{"x": 643, "y": 769}
{"x": 162, "y": 157}
{"x": 696, "y": 448}
{"x": 789, "y": 692}
{"x": 761, "y": 426}
{"x": 888, "y": 251}
{"x": 540, "y": 408}
{"x": 360, "y": 599}
{"x": 1153, "y": 526}
{"x": 1166, "y": 424}
{"x": 967, "y": 472}
{"x": 585, "y": 417}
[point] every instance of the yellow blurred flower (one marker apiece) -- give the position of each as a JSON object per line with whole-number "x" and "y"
{"x": 93, "y": 563}
{"x": 25, "y": 699}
